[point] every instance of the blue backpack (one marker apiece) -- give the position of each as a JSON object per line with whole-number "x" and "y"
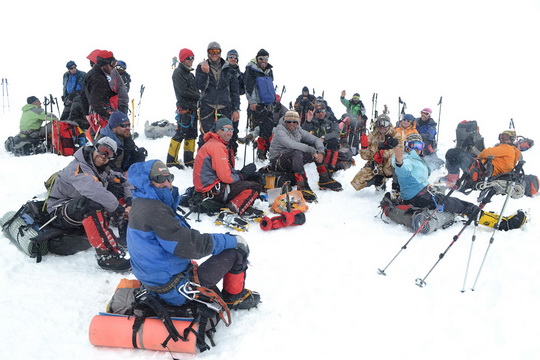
{"x": 267, "y": 92}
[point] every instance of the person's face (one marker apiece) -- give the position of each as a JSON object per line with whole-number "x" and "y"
{"x": 189, "y": 61}
{"x": 356, "y": 99}
{"x": 405, "y": 123}
{"x": 37, "y": 103}
{"x": 166, "y": 184}
{"x": 123, "y": 130}
{"x": 291, "y": 124}
{"x": 101, "y": 158}
{"x": 214, "y": 54}
{"x": 262, "y": 61}
{"x": 320, "y": 113}
{"x": 383, "y": 129}
{"x": 232, "y": 59}
{"x": 225, "y": 133}
{"x": 72, "y": 69}
{"x": 425, "y": 115}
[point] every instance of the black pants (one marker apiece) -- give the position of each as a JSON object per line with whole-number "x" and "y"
{"x": 72, "y": 213}
{"x": 187, "y": 125}
{"x": 214, "y": 269}
{"x": 424, "y": 199}
{"x": 292, "y": 161}
{"x": 209, "y": 115}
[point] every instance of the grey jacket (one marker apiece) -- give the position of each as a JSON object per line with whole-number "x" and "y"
{"x": 82, "y": 178}
{"x": 299, "y": 139}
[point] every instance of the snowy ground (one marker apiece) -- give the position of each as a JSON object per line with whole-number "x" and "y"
{"x": 322, "y": 296}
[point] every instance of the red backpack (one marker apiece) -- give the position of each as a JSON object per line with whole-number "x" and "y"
{"x": 66, "y": 138}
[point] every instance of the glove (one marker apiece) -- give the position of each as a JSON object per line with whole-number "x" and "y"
{"x": 119, "y": 212}
{"x": 388, "y": 143}
{"x": 364, "y": 141}
{"x": 379, "y": 157}
{"x": 248, "y": 170}
{"x": 242, "y": 245}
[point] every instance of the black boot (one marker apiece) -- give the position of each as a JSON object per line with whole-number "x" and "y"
{"x": 245, "y": 300}
{"x": 326, "y": 182}
{"x": 115, "y": 262}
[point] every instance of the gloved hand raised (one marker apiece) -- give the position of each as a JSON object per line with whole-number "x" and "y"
{"x": 388, "y": 143}
{"x": 242, "y": 245}
{"x": 248, "y": 170}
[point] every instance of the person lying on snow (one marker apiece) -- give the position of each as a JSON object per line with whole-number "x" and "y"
{"x": 162, "y": 244}
{"x": 413, "y": 173}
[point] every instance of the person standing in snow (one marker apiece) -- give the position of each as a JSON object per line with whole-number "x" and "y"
{"x": 187, "y": 96}
{"x": 261, "y": 95}
{"x": 122, "y": 70}
{"x": 217, "y": 81}
{"x": 73, "y": 82}
{"x": 357, "y": 119}
{"x": 162, "y": 244}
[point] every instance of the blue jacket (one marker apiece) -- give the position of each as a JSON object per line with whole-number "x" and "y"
{"x": 412, "y": 175}
{"x": 161, "y": 242}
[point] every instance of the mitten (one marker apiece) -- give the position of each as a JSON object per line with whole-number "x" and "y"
{"x": 364, "y": 141}
{"x": 379, "y": 157}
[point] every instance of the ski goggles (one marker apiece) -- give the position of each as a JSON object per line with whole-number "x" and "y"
{"x": 356, "y": 97}
{"x": 214, "y": 51}
{"x": 160, "y": 179}
{"x": 415, "y": 145}
{"x": 105, "y": 151}
{"x": 384, "y": 123}
{"x": 505, "y": 137}
{"x": 425, "y": 113}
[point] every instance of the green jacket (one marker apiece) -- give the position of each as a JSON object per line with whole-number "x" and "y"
{"x": 355, "y": 110}
{"x": 32, "y": 117}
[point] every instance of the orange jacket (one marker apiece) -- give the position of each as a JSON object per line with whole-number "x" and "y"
{"x": 505, "y": 157}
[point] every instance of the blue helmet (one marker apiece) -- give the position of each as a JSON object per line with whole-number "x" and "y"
{"x": 121, "y": 63}
{"x": 409, "y": 117}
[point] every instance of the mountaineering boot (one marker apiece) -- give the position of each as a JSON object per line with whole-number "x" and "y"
{"x": 235, "y": 295}
{"x": 172, "y": 155}
{"x": 254, "y": 214}
{"x": 303, "y": 185}
{"x": 511, "y": 222}
{"x": 112, "y": 261}
{"x": 261, "y": 155}
{"x": 325, "y": 181}
{"x": 189, "y": 150}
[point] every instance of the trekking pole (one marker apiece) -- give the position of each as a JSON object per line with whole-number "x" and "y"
{"x": 7, "y": 94}
{"x": 439, "y": 120}
{"x": 487, "y": 199}
{"x": 456, "y": 186}
{"x": 489, "y": 173}
{"x": 516, "y": 173}
{"x": 3, "y": 98}
{"x": 245, "y": 143}
{"x": 139, "y": 104}
{"x": 45, "y": 104}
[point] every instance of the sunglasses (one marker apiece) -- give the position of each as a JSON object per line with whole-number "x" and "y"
{"x": 72, "y": 68}
{"x": 321, "y": 111}
{"x": 214, "y": 51}
{"x": 227, "y": 129}
{"x": 415, "y": 145}
{"x": 105, "y": 151}
{"x": 190, "y": 58}
{"x": 263, "y": 58}
{"x": 234, "y": 57}
{"x": 125, "y": 125}
{"x": 291, "y": 121}
{"x": 160, "y": 179}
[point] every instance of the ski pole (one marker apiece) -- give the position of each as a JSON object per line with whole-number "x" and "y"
{"x": 510, "y": 187}
{"x": 439, "y": 120}
{"x": 283, "y": 90}
{"x": 456, "y": 186}
{"x": 487, "y": 199}
{"x": 489, "y": 173}
{"x": 7, "y": 94}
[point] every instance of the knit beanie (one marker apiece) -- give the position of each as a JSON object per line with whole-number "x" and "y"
{"x": 117, "y": 118}
{"x": 31, "y": 99}
{"x": 159, "y": 168}
{"x": 184, "y": 54}
{"x": 232, "y": 52}
{"x": 214, "y": 45}
{"x": 223, "y": 121}
{"x": 263, "y": 52}
{"x": 291, "y": 115}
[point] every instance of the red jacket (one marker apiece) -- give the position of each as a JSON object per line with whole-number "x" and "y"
{"x": 214, "y": 163}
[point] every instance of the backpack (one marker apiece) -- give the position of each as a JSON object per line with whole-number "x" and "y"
{"x": 468, "y": 137}
{"x": 267, "y": 92}
{"x": 28, "y": 229}
{"x": 198, "y": 204}
{"x": 66, "y": 137}
{"x": 415, "y": 217}
{"x": 24, "y": 146}
{"x": 159, "y": 129}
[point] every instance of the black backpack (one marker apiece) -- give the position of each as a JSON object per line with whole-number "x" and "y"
{"x": 468, "y": 137}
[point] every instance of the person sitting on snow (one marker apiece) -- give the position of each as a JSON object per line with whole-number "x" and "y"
{"x": 292, "y": 147}
{"x": 413, "y": 173}
{"x": 127, "y": 153}
{"x": 162, "y": 244}
{"x": 32, "y": 118}
{"x": 377, "y": 149}
{"x": 505, "y": 157}
{"x": 214, "y": 174}
{"x": 81, "y": 196}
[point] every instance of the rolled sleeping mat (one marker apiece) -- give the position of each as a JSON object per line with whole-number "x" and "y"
{"x": 21, "y": 233}
{"x": 437, "y": 221}
{"x": 117, "y": 331}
